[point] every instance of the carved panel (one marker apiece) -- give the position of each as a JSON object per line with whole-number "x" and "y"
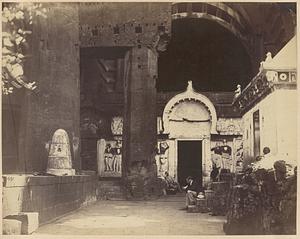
{"x": 230, "y": 126}
{"x": 238, "y": 154}
{"x": 256, "y": 90}
{"x": 262, "y": 84}
{"x": 162, "y": 157}
{"x": 117, "y": 125}
{"x": 109, "y": 158}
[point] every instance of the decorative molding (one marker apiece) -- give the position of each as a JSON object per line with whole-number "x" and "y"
{"x": 189, "y": 95}
{"x": 263, "y": 84}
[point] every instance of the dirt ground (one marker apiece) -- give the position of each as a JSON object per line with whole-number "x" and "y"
{"x": 163, "y": 216}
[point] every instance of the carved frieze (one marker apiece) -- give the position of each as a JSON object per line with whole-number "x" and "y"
{"x": 267, "y": 80}
{"x": 230, "y": 126}
{"x": 258, "y": 88}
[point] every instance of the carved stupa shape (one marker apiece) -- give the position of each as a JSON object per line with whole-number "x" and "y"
{"x": 59, "y": 159}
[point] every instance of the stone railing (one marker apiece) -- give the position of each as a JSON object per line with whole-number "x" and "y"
{"x": 262, "y": 84}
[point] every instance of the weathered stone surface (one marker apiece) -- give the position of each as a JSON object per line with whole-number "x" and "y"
{"x": 220, "y": 187}
{"x": 192, "y": 209}
{"x": 48, "y": 195}
{"x": 140, "y": 124}
{"x": 59, "y": 159}
{"x": 29, "y": 220}
{"x": 209, "y": 194}
{"x": 123, "y": 24}
{"x": 54, "y": 66}
{"x": 219, "y": 200}
{"x": 110, "y": 190}
{"x": 202, "y": 205}
{"x": 11, "y": 227}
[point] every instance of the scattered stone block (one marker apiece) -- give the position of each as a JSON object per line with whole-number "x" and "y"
{"x": 219, "y": 205}
{"x": 11, "y": 227}
{"x": 29, "y": 221}
{"x": 192, "y": 209}
{"x": 201, "y": 203}
{"x": 220, "y": 187}
{"x": 209, "y": 195}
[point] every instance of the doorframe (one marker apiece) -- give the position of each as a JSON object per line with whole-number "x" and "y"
{"x": 176, "y": 153}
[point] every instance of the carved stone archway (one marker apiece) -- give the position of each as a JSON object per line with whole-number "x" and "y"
{"x": 190, "y": 95}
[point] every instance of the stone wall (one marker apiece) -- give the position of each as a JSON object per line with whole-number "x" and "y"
{"x": 50, "y": 196}
{"x": 278, "y": 125}
{"x": 54, "y": 66}
{"x": 123, "y": 24}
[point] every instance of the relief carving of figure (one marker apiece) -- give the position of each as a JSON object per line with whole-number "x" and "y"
{"x": 108, "y": 158}
{"x": 162, "y": 157}
{"x": 239, "y": 156}
{"x": 163, "y": 160}
{"x": 117, "y": 158}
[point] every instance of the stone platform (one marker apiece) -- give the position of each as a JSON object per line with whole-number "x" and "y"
{"x": 49, "y": 196}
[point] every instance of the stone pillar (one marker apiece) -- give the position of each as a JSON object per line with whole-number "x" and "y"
{"x": 172, "y": 168}
{"x": 206, "y": 161}
{"x": 140, "y": 172}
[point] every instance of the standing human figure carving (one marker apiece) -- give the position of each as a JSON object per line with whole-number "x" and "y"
{"x": 108, "y": 158}
{"x": 117, "y": 161}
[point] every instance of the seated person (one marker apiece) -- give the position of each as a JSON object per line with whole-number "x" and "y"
{"x": 192, "y": 189}
{"x": 171, "y": 185}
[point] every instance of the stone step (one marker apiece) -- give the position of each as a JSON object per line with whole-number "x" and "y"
{"x": 201, "y": 206}
{"x": 110, "y": 190}
{"x": 192, "y": 209}
{"x": 112, "y": 182}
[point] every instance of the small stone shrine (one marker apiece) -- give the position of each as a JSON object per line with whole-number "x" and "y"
{"x": 59, "y": 159}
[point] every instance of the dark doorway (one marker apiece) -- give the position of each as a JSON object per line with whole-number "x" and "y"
{"x": 189, "y": 160}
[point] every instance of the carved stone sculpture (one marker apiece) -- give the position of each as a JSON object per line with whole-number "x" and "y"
{"x": 59, "y": 159}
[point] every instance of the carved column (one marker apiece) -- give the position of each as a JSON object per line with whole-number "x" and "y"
{"x": 140, "y": 123}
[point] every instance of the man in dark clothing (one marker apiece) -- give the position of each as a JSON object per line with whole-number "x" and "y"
{"x": 192, "y": 189}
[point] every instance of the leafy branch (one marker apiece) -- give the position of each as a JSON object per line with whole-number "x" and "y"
{"x": 17, "y": 20}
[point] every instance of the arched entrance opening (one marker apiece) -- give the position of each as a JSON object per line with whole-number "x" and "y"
{"x": 204, "y": 51}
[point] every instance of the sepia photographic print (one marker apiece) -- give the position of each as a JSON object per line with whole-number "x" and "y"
{"x": 149, "y": 119}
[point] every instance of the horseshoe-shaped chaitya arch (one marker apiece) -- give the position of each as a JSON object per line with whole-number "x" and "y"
{"x": 190, "y": 94}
